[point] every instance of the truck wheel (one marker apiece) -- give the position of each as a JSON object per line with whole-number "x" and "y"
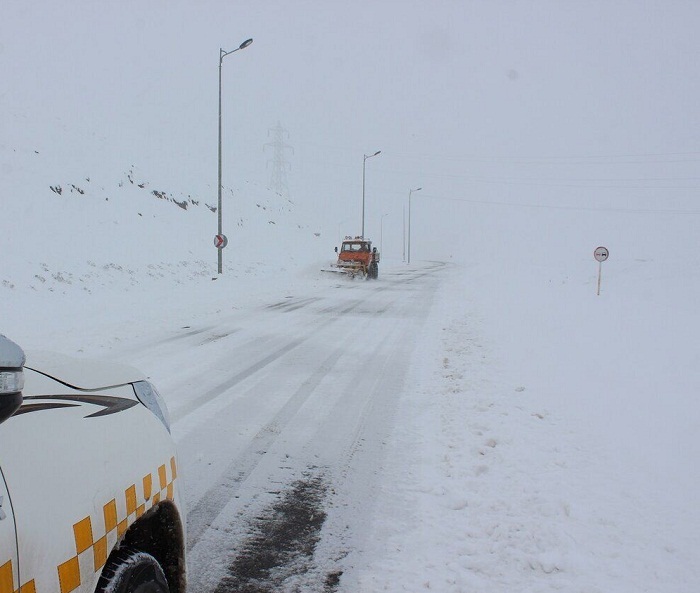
{"x": 132, "y": 571}
{"x": 374, "y": 271}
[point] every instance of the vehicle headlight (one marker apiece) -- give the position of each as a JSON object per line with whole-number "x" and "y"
{"x": 11, "y": 381}
{"x": 148, "y": 395}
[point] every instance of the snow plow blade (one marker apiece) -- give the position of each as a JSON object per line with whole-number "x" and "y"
{"x": 345, "y": 270}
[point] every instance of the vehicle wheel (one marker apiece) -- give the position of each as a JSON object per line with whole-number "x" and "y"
{"x": 374, "y": 271}
{"x": 131, "y": 571}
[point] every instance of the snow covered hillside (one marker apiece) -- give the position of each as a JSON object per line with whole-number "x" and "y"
{"x": 74, "y": 228}
{"x": 99, "y": 221}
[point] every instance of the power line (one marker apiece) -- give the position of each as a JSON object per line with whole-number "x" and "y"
{"x": 562, "y": 207}
{"x": 584, "y": 159}
{"x": 593, "y": 183}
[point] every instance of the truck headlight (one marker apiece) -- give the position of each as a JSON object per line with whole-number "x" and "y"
{"x": 11, "y": 381}
{"x": 148, "y": 395}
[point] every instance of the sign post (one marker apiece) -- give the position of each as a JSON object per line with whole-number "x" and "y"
{"x": 600, "y": 254}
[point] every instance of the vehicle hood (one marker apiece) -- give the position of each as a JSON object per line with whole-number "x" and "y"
{"x": 82, "y": 373}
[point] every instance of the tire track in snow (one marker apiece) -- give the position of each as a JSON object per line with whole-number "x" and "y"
{"x": 207, "y": 534}
{"x": 212, "y": 502}
{"x": 222, "y": 387}
{"x": 369, "y": 392}
{"x": 231, "y": 381}
{"x": 293, "y": 305}
{"x": 210, "y": 505}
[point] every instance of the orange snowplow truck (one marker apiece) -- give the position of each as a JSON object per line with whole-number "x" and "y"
{"x": 358, "y": 257}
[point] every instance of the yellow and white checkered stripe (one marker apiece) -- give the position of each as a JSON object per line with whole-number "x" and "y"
{"x": 92, "y": 547}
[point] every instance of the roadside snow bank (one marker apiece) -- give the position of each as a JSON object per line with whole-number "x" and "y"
{"x": 516, "y": 466}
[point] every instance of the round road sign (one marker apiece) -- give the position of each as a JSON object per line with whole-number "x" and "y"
{"x": 220, "y": 241}
{"x": 601, "y": 253}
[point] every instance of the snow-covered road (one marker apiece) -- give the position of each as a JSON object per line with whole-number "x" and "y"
{"x": 431, "y": 430}
{"x": 282, "y": 395}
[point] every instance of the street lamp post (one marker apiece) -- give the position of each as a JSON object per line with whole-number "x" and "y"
{"x": 222, "y": 55}
{"x": 363, "y": 188}
{"x": 409, "y": 221}
{"x": 403, "y": 258}
{"x": 381, "y": 232}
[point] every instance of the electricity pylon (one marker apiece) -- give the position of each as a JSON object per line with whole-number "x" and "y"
{"x": 278, "y": 175}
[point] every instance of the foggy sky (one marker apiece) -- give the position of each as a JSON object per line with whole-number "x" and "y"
{"x": 543, "y": 103}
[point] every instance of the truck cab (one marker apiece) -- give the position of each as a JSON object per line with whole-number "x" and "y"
{"x": 357, "y": 256}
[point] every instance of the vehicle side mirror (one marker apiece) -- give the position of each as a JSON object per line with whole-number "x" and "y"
{"x": 374, "y": 250}
{"x": 336, "y": 249}
{"x": 11, "y": 377}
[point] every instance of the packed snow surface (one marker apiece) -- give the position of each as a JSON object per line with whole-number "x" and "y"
{"x": 544, "y": 437}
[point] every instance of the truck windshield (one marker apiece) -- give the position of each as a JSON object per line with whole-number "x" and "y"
{"x": 354, "y": 247}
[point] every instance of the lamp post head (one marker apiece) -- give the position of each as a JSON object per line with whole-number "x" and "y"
{"x": 223, "y": 53}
